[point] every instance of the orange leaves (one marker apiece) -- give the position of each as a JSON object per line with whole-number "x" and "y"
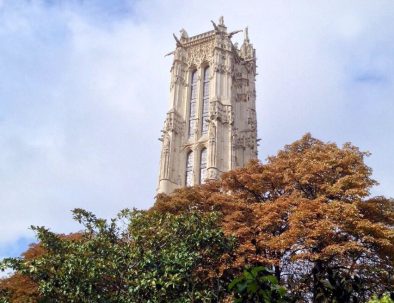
{"x": 306, "y": 198}
{"x": 34, "y": 251}
{"x": 315, "y": 168}
{"x": 22, "y": 288}
{"x": 309, "y": 167}
{"x": 304, "y": 205}
{"x": 378, "y": 209}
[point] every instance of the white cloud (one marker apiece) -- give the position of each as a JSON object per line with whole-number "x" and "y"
{"x": 84, "y": 93}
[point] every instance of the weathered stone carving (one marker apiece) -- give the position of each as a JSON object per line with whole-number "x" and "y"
{"x": 200, "y": 53}
{"x": 184, "y": 35}
{"x": 245, "y": 140}
{"x": 165, "y": 157}
{"x": 173, "y": 123}
{"x": 252, "y": 120}
{"x": 212, "y": 174}
{"x": 220, "y": 112}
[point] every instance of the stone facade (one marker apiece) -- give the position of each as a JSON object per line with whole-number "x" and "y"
{"x": 211, "y": 126}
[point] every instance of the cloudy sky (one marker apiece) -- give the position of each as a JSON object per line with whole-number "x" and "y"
{"x": 84, "y": 91}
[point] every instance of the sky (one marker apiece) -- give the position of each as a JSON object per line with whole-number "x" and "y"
{"x": 84, "y": 89}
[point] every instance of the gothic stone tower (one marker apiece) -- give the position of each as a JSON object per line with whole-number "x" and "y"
{"x": 211, "y": 125}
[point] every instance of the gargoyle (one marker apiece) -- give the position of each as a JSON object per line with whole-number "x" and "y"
{"x": 234, "y": 32}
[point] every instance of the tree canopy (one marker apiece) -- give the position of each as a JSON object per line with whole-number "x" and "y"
{"x": 306, "y": 214}
{"x": 138, "y": 257}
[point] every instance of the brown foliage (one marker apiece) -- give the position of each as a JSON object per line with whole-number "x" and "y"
{"x": 307, "y": 205}
{"x": 21, "y": 288}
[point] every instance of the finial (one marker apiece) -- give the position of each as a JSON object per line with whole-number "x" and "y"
{"x": 221, "y": 21}
{"x": 246, "y": 37}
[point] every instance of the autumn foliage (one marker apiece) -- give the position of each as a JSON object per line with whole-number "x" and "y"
{"x": 305, "y": 213}
{"x": 308, "y": 214}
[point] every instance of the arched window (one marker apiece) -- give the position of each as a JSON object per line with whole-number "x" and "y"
{"x": 192, "y": 103}
{"x": 189, "y": 169}
{"x": 205, "y": 102}
{"x": 203, "y": 165}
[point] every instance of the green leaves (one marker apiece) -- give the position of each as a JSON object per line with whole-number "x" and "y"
{"x": 257, "y": 284}
{"x": 175, "y": 254}
{"x": 138, "y": 257}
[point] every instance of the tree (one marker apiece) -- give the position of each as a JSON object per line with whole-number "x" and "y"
{"x": 306, "y": 213}
{"x": 257, "y": 284}
{"x": 19, "y": 288}
{"x": 138, "y": 257}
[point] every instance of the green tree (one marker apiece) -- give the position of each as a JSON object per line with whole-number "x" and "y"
{"x": 138, "y": 257}
{"x": 257, "y": 284}
{"x": 334, "y": 286}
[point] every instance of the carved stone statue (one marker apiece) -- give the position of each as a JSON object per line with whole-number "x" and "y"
{"x": 184, "y": 34}
{"x": 212, "y": 131}
{"x": 246, "y": 36}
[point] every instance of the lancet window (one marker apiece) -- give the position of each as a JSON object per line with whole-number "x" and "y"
{"x": 203, "y": 165}
{"x": 189, "y": 169}
{"x": 193, "y": 104}
{"x": 205, "y": 102}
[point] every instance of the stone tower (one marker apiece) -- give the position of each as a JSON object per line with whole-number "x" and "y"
{"x": 211, "y": 125}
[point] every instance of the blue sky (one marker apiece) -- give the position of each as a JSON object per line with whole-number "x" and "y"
{"x": 84, "y": 89}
